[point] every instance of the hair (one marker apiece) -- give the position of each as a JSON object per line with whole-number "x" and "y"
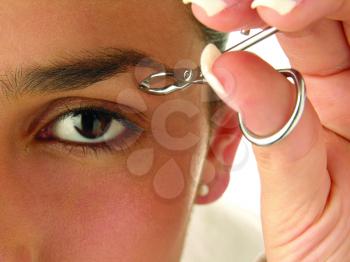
{"x": 209, "y": 35}
{"x": 215, "y": 37}
{"x": 220, "y": 40}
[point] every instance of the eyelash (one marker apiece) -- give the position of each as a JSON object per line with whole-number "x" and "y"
{"x": 133, "y": 130}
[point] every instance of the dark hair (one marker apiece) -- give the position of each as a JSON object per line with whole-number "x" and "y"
{"x": 215, "y": 37}
{"x": 209, "y": 35}
{"x": 220, "y": 40}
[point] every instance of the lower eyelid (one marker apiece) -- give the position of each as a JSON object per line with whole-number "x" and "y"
{"x": 84, "y": 150}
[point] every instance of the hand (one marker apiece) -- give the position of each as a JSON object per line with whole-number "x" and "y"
{"x": 306, "y": 177}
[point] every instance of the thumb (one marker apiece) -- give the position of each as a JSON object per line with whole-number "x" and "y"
{"x": 294, "y": 177}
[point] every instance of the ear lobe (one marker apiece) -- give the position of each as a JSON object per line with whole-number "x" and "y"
{"x": 226, "y": 136}
{"x": 215, "y": 188}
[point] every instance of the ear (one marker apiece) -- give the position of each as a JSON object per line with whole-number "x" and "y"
{"x": 224, "y": 141}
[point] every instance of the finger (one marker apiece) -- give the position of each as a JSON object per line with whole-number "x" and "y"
{"x": 322, "y": 54}
{"x": 294, "y": 15}
{"x": 293, "y": 172}
{"x": 321, "y": 49}
{"x": 331, "y": 96}
{"x": 237, "y": 14}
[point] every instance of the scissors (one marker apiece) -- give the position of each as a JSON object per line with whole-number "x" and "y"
{"x": 187, "y": 77}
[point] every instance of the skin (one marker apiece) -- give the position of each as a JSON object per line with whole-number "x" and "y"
{"x": 62, "y": 203}
{"x": 305, "y": 178}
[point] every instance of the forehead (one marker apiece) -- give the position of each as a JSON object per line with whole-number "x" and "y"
{"x": 36, "y": 31}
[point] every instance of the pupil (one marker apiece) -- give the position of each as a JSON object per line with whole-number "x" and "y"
{"x": 92, "y": 124}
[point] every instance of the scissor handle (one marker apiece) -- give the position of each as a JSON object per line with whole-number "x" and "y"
{"x": 294, "y": 119}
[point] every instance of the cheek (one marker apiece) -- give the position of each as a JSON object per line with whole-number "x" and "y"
{"x": 115, "y": 220}
{"x": 84, "y": 213}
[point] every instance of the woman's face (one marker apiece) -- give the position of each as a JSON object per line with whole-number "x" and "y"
{"x": 91, "y": 169}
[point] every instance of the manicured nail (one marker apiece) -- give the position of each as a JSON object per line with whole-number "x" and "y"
{"x": 225, "y": 92}
{"x": 209, "y": 54}
{"x": 283, "y": 7}
{"x": 211, "y": 7}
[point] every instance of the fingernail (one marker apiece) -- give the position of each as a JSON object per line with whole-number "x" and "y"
{"x": 211, "y": 7}
{"x": 225, "y": 92}
{"x": 209, "y": 54}
{"x": 283, "y": 7}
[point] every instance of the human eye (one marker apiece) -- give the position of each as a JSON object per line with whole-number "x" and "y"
{"x": 91, "y": 127}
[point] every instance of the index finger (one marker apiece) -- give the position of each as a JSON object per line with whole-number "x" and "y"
{"x": 286, "y": 15}
{"x": 226, "y": 15}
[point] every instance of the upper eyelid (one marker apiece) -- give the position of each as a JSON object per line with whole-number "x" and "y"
{"x": 83, "y": 109}
{"x": 115, "y": 115}
{"x": 65, "y": 105}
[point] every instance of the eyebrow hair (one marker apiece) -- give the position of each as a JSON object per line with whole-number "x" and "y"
{"x": 75, "y": 72}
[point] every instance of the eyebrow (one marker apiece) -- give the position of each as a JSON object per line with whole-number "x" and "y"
{"x": 75, "y": 72}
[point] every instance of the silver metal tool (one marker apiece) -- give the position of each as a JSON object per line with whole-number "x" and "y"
{"x": 294, "y": 119}
{"x": 186, "y": 77}
{"x": 194, "y": 76}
